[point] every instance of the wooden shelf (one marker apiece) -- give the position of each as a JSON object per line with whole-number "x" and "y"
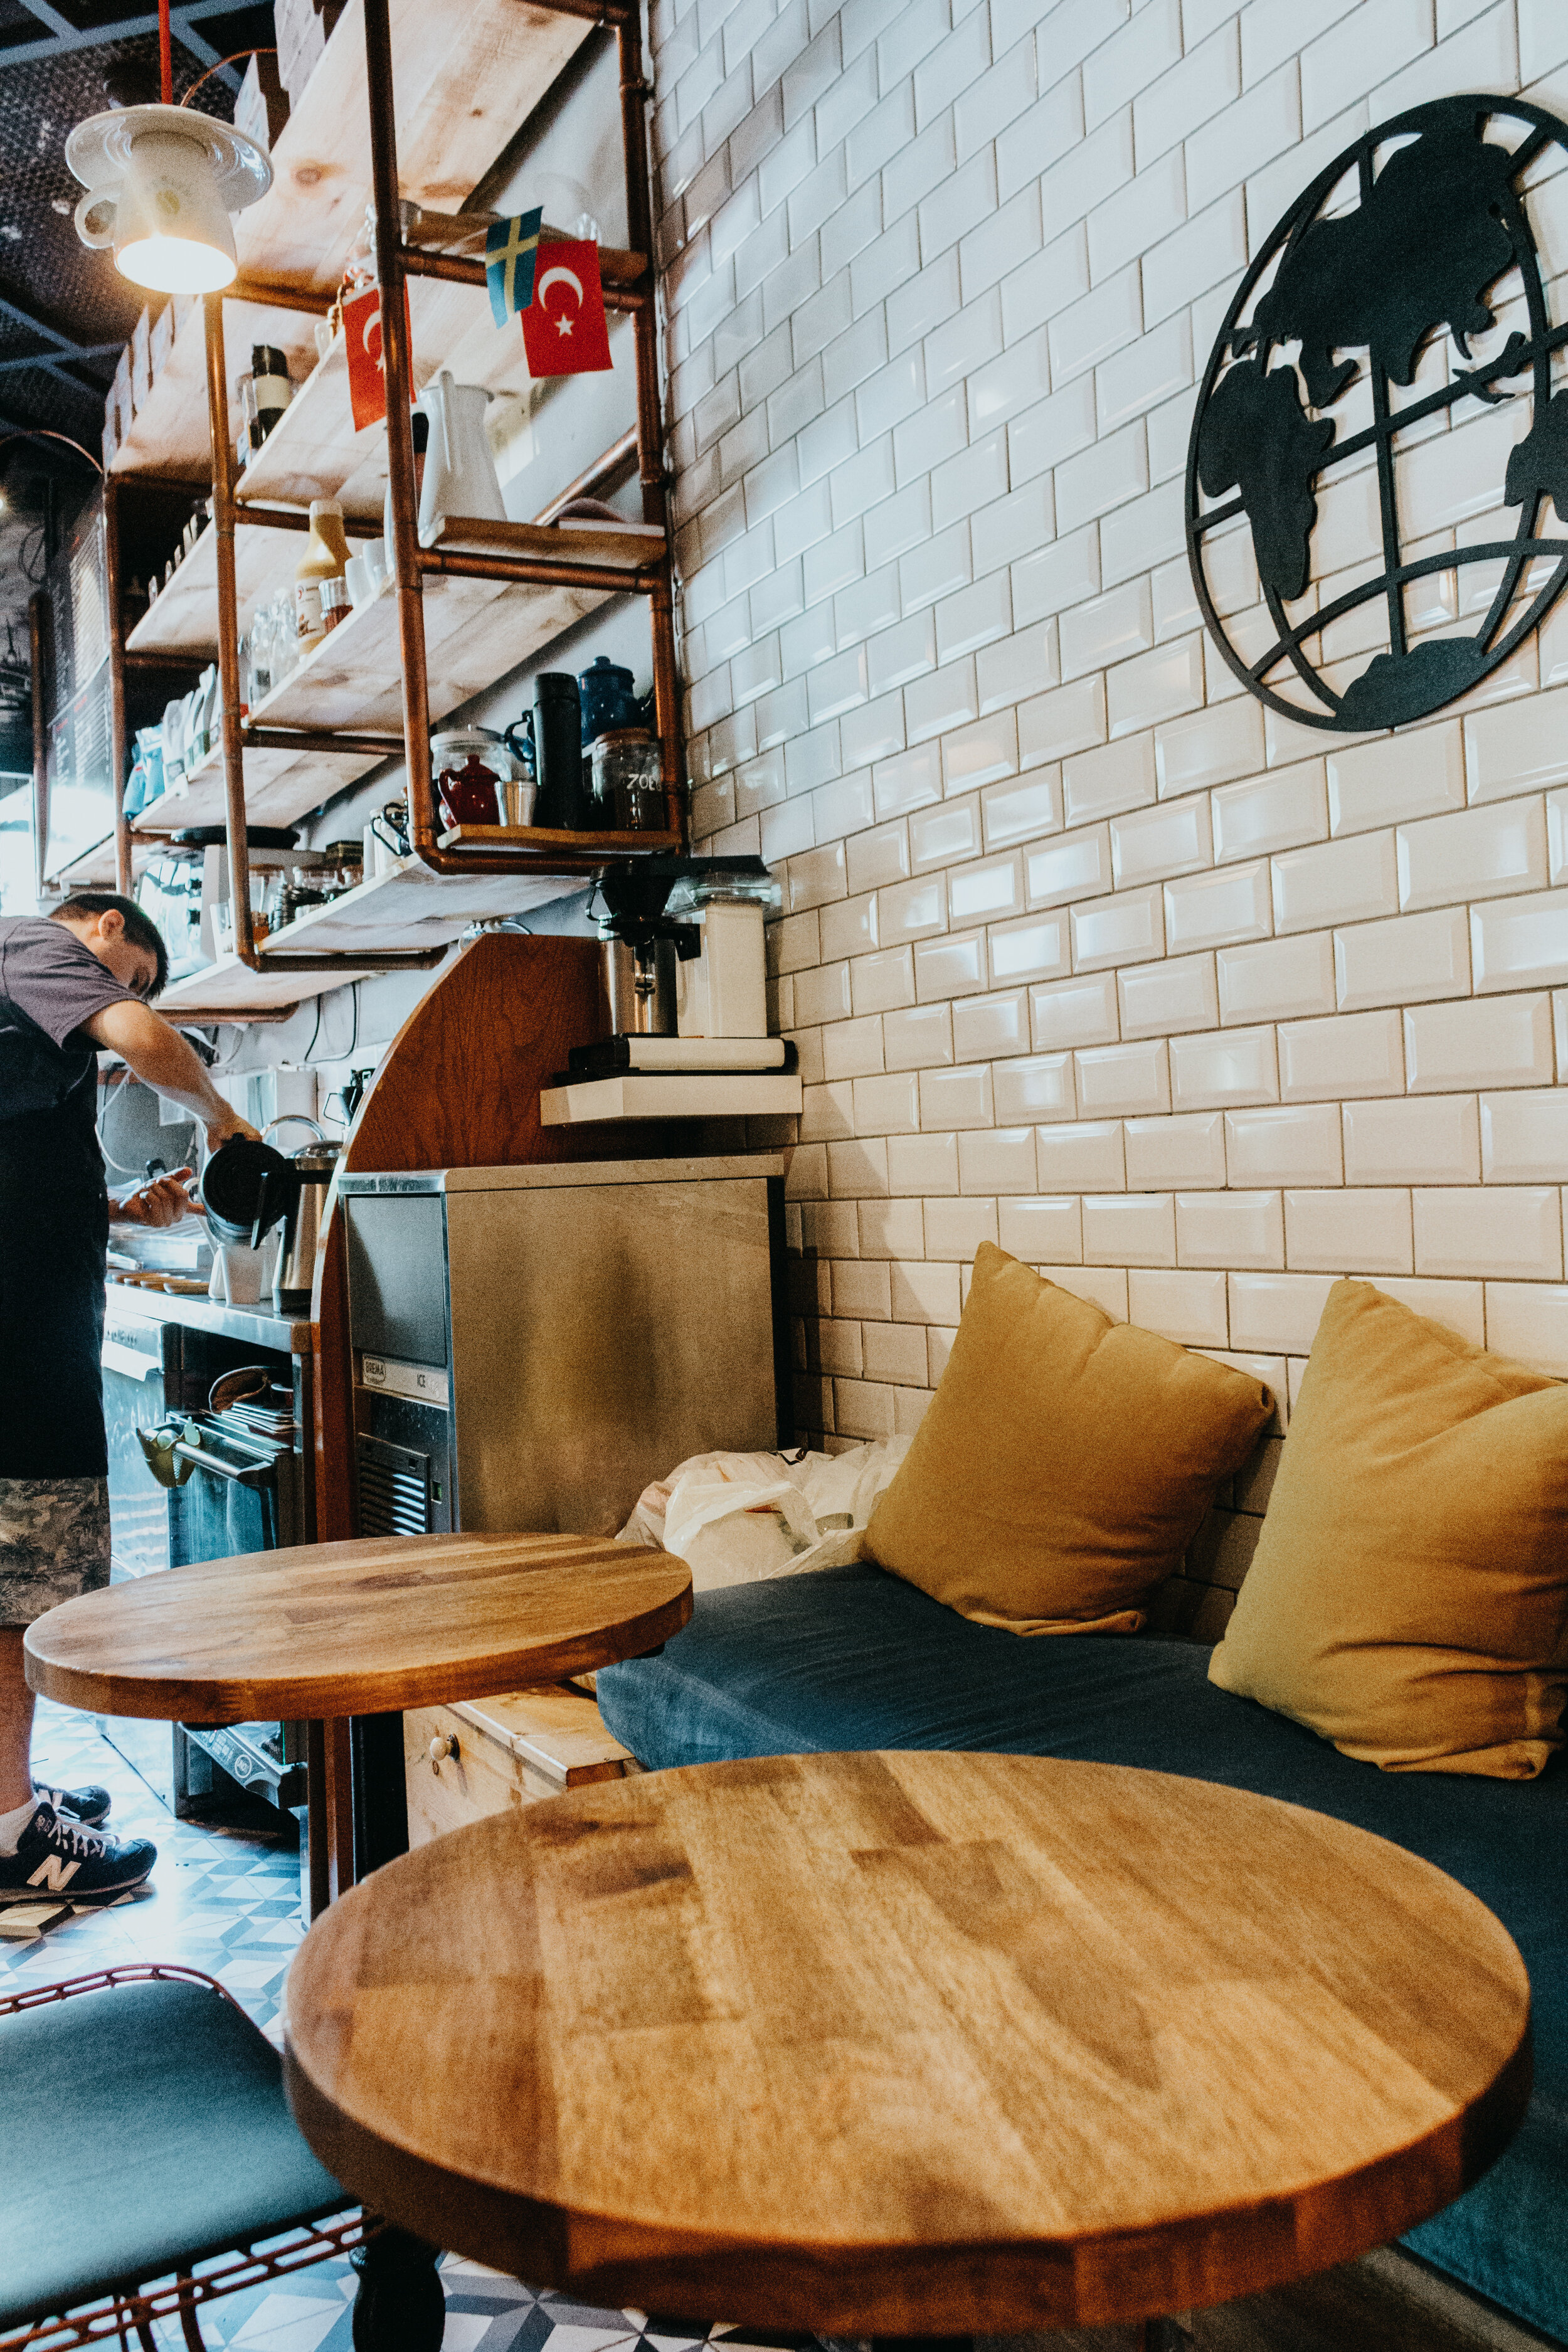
{"x": 544, "y": 838}
{"x": 183, "y": 619}
{"x": 409, "y": 908}
{"x": 693, "y": 1094}
{"x": 464, "y": 78}
{"x": 94, "y": 869}
{"x": 280, "y": 787}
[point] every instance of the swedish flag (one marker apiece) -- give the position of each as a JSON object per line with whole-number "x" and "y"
{"x": 510, "y": 249}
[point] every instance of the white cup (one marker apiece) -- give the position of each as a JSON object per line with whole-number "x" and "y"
{"x": 242, "y": 1274}
{"x": 361, "y": 582}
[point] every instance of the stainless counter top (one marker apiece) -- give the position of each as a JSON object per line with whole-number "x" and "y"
{"x": 252, "y": 1325}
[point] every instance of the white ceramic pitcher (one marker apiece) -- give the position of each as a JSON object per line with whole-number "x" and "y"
{"x": 460, "y": 476}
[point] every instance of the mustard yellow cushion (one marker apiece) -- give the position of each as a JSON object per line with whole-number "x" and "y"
{"x": 1063, "y": 1463}
{"x": 1409, "y": 1597}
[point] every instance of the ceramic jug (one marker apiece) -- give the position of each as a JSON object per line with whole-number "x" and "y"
{"x": 460, "y": 471}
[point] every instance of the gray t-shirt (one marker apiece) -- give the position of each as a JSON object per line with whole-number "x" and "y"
{"x": 50, "y": 982}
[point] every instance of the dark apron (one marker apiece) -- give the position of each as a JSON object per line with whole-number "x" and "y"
{"x": 54, "y": 1230}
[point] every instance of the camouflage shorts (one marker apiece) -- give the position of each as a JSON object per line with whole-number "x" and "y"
{"x": 54, "y": 1543}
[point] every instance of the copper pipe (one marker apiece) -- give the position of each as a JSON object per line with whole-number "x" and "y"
{"x": 621, "y": 273}
{"x": 282, "y": 294}
{"x": 288, "y": 519}
{"x": 229, "y": 636}
{"x": 319, "y": 738}
{"x": 635, "y": 93}
{"x": 122, "y": 874}
{"x": 607, "y": 474}
{"x": 407, "y": 578}
{"x": 601, "y": 12}
{"x": 160, "y": 656}
{"x": 37, "y": 606}
{"x": 538, "y": 571}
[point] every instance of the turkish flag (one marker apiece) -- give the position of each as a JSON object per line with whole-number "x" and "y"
{"x": 563, "y": 328}
{"x": 367, "y": 363}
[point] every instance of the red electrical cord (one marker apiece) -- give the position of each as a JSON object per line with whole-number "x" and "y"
{"x": 165, "y": 53}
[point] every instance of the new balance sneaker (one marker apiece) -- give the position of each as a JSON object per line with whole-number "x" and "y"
{"x": 90, "y": 1805}
{"x": 55, "y": 1856}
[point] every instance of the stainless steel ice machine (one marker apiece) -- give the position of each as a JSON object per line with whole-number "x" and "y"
{"x": 532, "y": 1346}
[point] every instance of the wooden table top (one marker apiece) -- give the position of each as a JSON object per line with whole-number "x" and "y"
{"x": 922, "y": 2043}
{"x": 360, "y": 1627}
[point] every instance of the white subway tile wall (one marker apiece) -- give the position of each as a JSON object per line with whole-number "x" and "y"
{"x": 1085, "y": 953}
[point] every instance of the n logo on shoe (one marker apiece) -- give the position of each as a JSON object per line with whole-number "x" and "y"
{"x": 54, "y": 1872}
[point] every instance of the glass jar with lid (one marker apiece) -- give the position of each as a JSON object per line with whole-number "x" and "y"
{"x": 628, "y": 781}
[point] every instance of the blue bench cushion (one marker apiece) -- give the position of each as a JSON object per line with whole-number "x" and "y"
{"x": 145, "y": 2126}
{"x": 853, "y": 1658}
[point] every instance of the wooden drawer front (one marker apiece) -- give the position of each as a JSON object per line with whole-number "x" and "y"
{"x": 488, "y": 1775}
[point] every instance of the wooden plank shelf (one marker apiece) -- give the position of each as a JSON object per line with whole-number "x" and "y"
{"x": 548, "y": 838}
{"x": 280, "y": 787}
{"x": 762, "y": 1094}
{"x": 183, "y": 617}
{"x": 407, "y": 908}
{"x": 464, "y": 78}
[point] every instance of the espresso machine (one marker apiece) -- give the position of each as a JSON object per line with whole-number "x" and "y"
{"x": 683, "y": 968}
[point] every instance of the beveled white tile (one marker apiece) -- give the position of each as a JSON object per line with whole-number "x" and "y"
{"x": 1074, "y": 1013}
{"x": 1129, "y": 1229}
{"x": 1275, "y": 980}
{"x": 1404, "y": 962}
{"x": 944, "y": 834}
{"x": 1517, "y": 747}
{"x": 1396, "y": 777}
{"x": 1521, "y": 942}
{"x": 1103, "y": 1287}
{"x": 1155, "y": 686}
{"x": 1238, "y": 1067}
{"x": 1344, "y": 881}
{"x": 952, "y": 966}
{"x": 955, "y": 1229}
{"x": 1477, "y": 855}
{"x": 1122, "y": 1080}
{"x": 1084, "y": 1157}
{"x": 1127, "y": 927}
{"x": 1524, "y": 1137}
{"x": 1294, "y": 1144}
{"x": 957, "y": 1097}
{"x": 918, "y": 1039}
{"x": 1207, "y": 910}
{"x": 1458, "y": 1306}
{"x": 1209, "y": 747}
{"x": 912, "y": 910}
{"x": 1190, "y": 1308}
{"x": 1346, "y": 1232}
{"x": 1283, "y": 810}
{"x": 1186, "y": 1151}
{"x": 1230, "y": 1229}
{"x": 1451, "y": 1047}
{"x": 921, "y": 1165}
{"x": 1075, "y": 865}
{"x": 1503, "y": 1230}
{"x": 1159, "y": 1000}
{"x": 1023, "y": 811}
{"x": 1106, "y": 628}
{"x": 1414, "y": 1139}
{"x": 1147, "y": 845}
{"x": 985, "y": 1027}
{"x": 1529, "y": 1320}
{"x": 987, "y": 892}
{"x": 1034, "y": 1086}
{"x": 996, "y": 1159}
{"x": 1103, "y": 782}
{"x": 1043, "y": 1230}
{"x": 1036, "y": 949}
{"x": 1352, "y": 1053}
{"x": 978, "y": 754}
{"x": 1277, "y": 1313}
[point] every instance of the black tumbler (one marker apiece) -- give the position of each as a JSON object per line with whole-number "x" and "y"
{"x": 558, "y": 752}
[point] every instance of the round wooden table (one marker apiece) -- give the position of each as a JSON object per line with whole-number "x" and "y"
{"x": 878, "y": 2045}
{"x": 325, "y": 1632}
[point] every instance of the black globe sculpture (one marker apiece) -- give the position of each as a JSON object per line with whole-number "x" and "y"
{"x": 1439, "y": 239}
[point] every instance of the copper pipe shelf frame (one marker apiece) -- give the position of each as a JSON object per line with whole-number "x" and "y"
{"x": 628, "y": 284}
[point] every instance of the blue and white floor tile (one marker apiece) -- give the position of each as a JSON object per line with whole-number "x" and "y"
{"x": 228, "y": 1901}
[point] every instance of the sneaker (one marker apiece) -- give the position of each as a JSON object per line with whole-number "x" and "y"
{"x": 90, "y": 1805}
{"x": 55, "y": 1856}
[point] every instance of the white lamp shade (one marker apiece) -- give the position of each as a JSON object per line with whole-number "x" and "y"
{"x": 161, "y": 183}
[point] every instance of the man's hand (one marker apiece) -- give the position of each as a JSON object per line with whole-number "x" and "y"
{"x": 161, "y": 1058}
{"x": 163, "y": 1202}
{"x": 224, "y": 1130}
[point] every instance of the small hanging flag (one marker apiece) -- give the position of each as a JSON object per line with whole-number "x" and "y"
{"x": 367, "y": 363}
{"x": 509, "y": 248}
{"x": 564, "y": 331}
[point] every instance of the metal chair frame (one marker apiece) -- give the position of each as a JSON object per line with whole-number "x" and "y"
{"x": 136, "y": 2304}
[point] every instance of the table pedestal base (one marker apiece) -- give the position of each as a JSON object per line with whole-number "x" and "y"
{"x": 400, "y": 2306}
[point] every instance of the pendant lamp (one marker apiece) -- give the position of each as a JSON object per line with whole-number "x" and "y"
{"x": 161, "y": 183}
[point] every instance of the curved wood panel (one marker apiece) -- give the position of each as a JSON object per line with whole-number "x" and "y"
{"x": 909, "y": 2042}
{"x": 359, "y": 1628}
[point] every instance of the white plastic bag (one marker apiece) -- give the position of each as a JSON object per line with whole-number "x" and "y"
{"x": 738, "y": 1519}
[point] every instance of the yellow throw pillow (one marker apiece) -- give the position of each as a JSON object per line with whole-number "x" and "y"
{"x": 1409, "y": 1597}
{"x": 1063, "y": 1463}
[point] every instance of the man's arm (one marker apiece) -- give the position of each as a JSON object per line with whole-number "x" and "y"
{"x": 166, "y": 1062}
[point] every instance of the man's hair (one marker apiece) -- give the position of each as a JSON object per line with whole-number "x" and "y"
{"x": 140, "y": 929}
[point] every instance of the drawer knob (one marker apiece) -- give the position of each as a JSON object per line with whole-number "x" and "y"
{"x": 444, "y": 1744}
